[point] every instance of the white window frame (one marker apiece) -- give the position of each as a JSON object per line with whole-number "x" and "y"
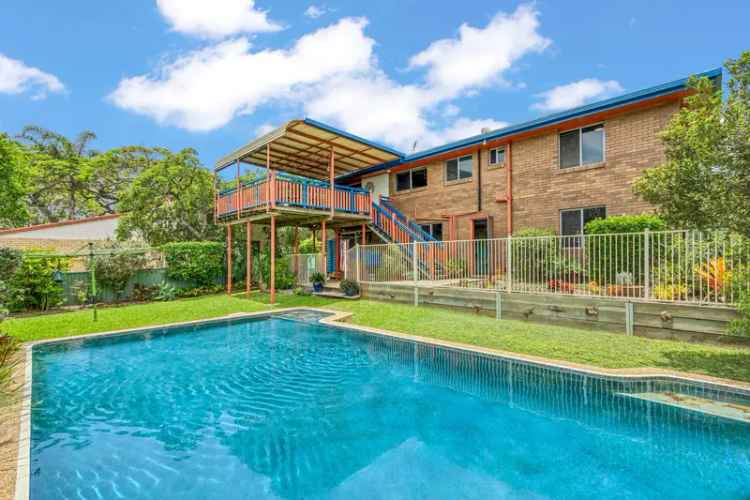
{"x": 458, "y": 169}
{"x": 580, "y": 146}
{"x": 411, "y": 182}
{"x": 497, "y": 154}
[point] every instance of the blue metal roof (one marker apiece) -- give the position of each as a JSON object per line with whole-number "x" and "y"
{"x": 596, "y": 107}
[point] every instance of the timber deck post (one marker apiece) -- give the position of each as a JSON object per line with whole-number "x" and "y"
{"x": 324, "y": 246}
{"x": 272, "y": 279}
{"x": 229, "y": 259}
{"x": 249, "y": 258}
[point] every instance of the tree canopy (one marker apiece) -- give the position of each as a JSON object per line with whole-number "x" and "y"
{"x": 171, "y": 200}
{"x": 47, "y": 177}
{"x": 705, "y": 181}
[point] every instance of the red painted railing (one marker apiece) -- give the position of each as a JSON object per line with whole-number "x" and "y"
{"x": 283, "y": 190}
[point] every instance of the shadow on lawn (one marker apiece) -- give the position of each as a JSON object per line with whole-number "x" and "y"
{"x": 731, "y": 365}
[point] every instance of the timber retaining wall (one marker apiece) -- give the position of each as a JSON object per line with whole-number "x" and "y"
{"x": 686, "y": 322}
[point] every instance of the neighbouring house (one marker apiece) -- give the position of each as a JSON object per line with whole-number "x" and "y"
{"x": 558, "y": 171}
{"x": 62, "y": 237}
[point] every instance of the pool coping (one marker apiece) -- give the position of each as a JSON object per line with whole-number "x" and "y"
{"x": 338, "y": 320}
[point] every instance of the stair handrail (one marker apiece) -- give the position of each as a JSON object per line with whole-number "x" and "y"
{"x": 385, "y": 213}
{"x": 424, "y": 235}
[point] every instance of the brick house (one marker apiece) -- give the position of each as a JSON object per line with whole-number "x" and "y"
{"x": 555, "y": 172}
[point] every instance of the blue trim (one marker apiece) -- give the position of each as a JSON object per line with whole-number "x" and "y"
{"x": 343, "y": 133}
{"x": 615, "y": 102}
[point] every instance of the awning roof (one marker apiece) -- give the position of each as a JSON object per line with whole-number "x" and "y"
{"x": 303, "y": 147}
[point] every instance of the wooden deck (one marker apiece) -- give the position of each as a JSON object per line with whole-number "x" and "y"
{"x": 293, "y": 200}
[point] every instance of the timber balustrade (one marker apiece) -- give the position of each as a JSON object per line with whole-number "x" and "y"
{"x": 284, "y": 190}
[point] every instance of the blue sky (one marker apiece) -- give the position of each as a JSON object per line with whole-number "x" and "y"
{"x": 212, "y": 75}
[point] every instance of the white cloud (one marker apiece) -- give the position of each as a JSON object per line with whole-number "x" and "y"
{"x": 479, "y": 56}
{"x": 264, "y": 128}
{"x": 465, "y": 127}
{"x": 333, "y": 75}
{"x": 315, "y": 11}
{"x": 575, "y": 94}
{"x": 17, "y": 78}
{"x": 215, "y": 19}
{"x": 205, "y": 89}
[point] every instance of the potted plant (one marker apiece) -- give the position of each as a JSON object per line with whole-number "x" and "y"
{"x": 350, "y": 288}
{"x": 317, "y": 279}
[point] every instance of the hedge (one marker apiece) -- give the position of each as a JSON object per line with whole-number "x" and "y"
{"x": 198, "y": 262}
{"x": 625, "y": 224}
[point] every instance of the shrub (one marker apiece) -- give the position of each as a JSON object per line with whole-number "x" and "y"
{"x": 196, "y": 262}
{"x": 742, "y": 325}
{"x": 144, "y": 293}
{"x": 306, "y": 246}
{"x": 350, "y": 288}
{"x": 166, "y": 292}
{"x": 115, "y": 271}
{"x": 532, "y": 250}
{"x": 9, "y": 349}
{"x": 610, "y": 256}
{"x": 285, "y": 279}
{"x": 10, "y": 260}
{"x": 625, "y": 224}
{"x": 33, "y": 285}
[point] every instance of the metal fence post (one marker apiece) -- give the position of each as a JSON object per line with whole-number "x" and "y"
{"x": 498, "y": 305}
{"x": 415, "y": 272}
{"x": 509, "y": 264}
{"x": 357, "y": 253}
{"x": 647, "y": 263}
{"x": 346, "y": 262}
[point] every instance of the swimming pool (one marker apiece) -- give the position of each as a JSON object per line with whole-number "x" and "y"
{"x": 278, "y": 408}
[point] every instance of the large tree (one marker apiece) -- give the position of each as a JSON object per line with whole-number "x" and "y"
{"x": 14, "y": 184}
{"x": 57, "y": 168}
{"x": 705, "y": 181}
{"x": 172, "y": 200}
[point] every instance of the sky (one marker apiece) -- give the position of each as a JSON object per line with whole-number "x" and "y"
{"x": 213, "y": 75}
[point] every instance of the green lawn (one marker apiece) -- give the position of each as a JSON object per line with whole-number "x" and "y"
{"x": 603, "y": 349}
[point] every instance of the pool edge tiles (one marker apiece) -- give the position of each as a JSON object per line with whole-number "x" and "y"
{"x": 335, "y": 321}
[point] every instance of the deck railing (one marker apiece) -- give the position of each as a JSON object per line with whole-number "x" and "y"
{"x": 284, "y": 190}
{"x": 673, "y": 266}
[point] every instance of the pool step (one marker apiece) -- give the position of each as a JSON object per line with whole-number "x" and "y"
{"x": 725, "y": 409}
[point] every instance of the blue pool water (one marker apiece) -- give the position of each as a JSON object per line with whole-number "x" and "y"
{"x": 277, "y": 408}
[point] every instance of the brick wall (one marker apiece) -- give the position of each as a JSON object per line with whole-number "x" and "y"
{"x": 57, "y": 246}
{"x": 540, "y": 188}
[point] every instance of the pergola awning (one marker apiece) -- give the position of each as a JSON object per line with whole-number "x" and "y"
{"x": 304, "y": 147}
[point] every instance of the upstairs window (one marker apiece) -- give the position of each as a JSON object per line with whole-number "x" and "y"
{"x": 583, "y": 146}
{"x": 433, "y": 229}
{"x": 497, "y": 156}
{"x": 411, "y": 179}
{"x": 458, "y": 169}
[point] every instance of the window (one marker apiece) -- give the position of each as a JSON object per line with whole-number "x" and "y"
{"x": 573, "y": 221}
{"x": 583, "y": 146}
{"x": 434, "y": 229}
{"x": 497, "y": 156}
{"x": 411, "y": 179}
{"x": 458, "y": 168}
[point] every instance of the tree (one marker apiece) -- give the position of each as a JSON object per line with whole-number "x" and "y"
{"x": 14, "y": 179}
{"x": 172, "y": 200}
{"x": 705, "y": 181}
{"x": 58, "y": 181}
